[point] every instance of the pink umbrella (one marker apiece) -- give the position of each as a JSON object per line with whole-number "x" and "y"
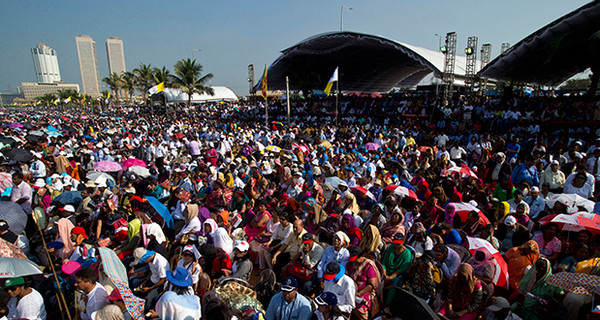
{"x": 133, "y": 162}
{"x": 463, "y": 170}
{"x": 108, "y": 166}
{"x": 463, "y": 209}
{"x": 402, "y": 191}
{"x": 300, "y": 147}
{"x": 501, "y": 274}
{"x": 364, "y": 191}
{"x": 372, "y": 146}
{"x": 5, "y": 181}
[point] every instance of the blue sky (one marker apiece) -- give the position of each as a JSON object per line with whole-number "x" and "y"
{"x": 233, "y": 34}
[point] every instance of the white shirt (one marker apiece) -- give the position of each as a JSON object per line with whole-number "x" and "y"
{"x": 96, "y": 301}
{"x": 158, "y": 267}
{"x": 30, "y": 306}
{"x": 345, "y": 291}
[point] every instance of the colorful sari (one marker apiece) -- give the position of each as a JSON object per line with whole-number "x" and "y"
{"x": 361, "y": 274}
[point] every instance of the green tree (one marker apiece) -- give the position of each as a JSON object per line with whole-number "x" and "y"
{"x": 162, "y": 75}
{"x": 48, "y": 99}
{"x": 144, "y": 78}
{"x": 129, "y": 86}
{"x": 188, "y": 77}
{"x": 115, "y": 83}
{"x": 66, "y": 93}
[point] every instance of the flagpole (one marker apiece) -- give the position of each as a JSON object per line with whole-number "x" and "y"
{"x": 287, "y": 95}
{"x": 337, "y": 95}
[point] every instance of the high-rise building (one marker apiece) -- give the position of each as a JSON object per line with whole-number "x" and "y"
{"x": 115, "y": 54}
{"x": 45, "y": 62}
{"x": 88, "y": 64}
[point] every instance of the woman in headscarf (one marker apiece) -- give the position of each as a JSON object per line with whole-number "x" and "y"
{"x": 450, "y": 215}
{"x": 419, "y": 239}
{"x": 218, "y": 236}
{"x": 548, "y": 242}
{"x": 502, "y": 211}
{"x": 349, "y": 202}
{"x": 518, "y": 259}
{"x": 367, "y": 278}
{"x": 192, "y": 224}
{"x": 533, "y": 286}
{"x": 392, "y": 227}
{"x": 133, "y": 231}
{"x": 376, "y": 217}
{"x": 483, "y": 266}
{"x": 154, "y": 238}
{"x": 370, "y": 241}
{"x": 348, "y": 226}
{"x": 465, "y": 295}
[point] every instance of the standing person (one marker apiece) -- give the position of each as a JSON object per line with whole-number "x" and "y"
{"x": 288, "y": 304}
{"x": 95, "y": 294}
{"x": 25, "y": 302}
{"x": 21, "y": 192}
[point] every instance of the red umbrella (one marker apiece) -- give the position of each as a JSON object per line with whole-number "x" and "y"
{"x": 364, "y": 191}
{"x": 463, "y": 170}
{"x": 300, "y": 147}
{"x": 501, "y": 274}
{"x": 178, "y": 135}
{"x": 402, "y": 191}
{"x": 372, "y": 146}
{"x": 133, "y": 162}
{"x": 572, "y": 222}
{"x": 463, "y": 209}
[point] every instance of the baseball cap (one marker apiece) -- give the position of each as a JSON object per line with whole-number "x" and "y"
{"x": 355, "y": 251}
{"x": 68, "y": 208}
{"x": 554, "y": 162}
{"x": 326, "y": 299}
{"x": 510, "y": 221}
{"x": 140, "y": 255}
{"x": 499, "y": 303}
{"x": 11, "y": 282}
{"x": 398, "y": 238}
{"x": 307, "y": 238}
{"x": 242, "y": 246}
{"x": 289, "y": 284}
{"x": 534, "y": 189}
{"x": 333, "y": 271}
{"x": 79, "y": 231}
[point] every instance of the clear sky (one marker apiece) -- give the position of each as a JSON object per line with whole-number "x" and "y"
{"x": 232, "y": 34}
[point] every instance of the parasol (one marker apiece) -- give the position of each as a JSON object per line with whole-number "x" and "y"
{"x": 133, "y": 162}
{"x": 333, "y": 181}
{"x": 501, "y": 274}
{"x": 162, "y": 210}
{"x": 9, "y": 250}
{"x": 463, "y": 170}
{"x": 140, "y": 171}
{"x": 17, "y": 267}
{"x": 68, "y": 197}
{"x": 14, "y": 215}
{"x": 402, "y": 191}
{"x": 364, "y": 191}
{"x": 5, "y": 181}
{"x": 372, "y": 146}
{"x": 463, "y": 209}
{"x": 18, "y": 155}
{"x": 108, "y": 166}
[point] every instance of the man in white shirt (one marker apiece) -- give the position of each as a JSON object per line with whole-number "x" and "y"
{"x": 337, "y": 282}
{"x": 95, "y": 294}
{"x": 38, "y": 168}
{"x": 159, "y": 266}
{"x": 25, "y": 302}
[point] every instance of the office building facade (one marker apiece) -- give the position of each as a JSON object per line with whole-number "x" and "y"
{"x": 116, "y": 55}
{"x": 88, "y": 64}
{"x": 45, "y": 63}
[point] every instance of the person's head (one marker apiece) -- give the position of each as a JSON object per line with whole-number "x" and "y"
{"x": 17, "y": 178}
{"x": 326, "y": 301}
{"x": 550, "y": 230}
{"x": 298, "y": 226}
{"x": 85, "y": 279}
{"x": 582, "y": 252}
{"x": 479, "y": 255}
{"x": 518, "y": 194}
{"x": 487, "y": 231}
{"x": 584, "y": 236}
{"x": 541, "y": 267}
{"x": 387, "y": 314}
{"x": 554, "y": 165}
{"x": 579, "y": 179}
{"x": 534, "y": 192}
{"x": 396, "y": 217}
{"x": 440, "y": 251}
{"x": 307, "y": 242}
{"x": 283, "y": 219}
{"x": 78, "y": 235}
{"x": 520, "y": 210}
{"x": 398, "y": 242}
{"x": 473, "y": 216}
{"x": 500, "y": 307}
{"x": 289, "y": 289}
{"x": 510, "y": 222}
{"x": 188, "y": 254}
{"x": 15, "y": 287}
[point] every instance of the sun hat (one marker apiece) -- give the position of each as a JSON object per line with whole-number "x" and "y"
{"x": 326, "y": 299}
{"x": 289, "y": 284}
{"x": 180, "y": 277}
{"x": 499, "y": 303}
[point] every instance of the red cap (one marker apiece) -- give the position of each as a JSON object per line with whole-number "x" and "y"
{"x": 398, "y": 241}
{"x": 306, "y": 241}
{"x": 334, "y": 214}
{"x": 79, "y": 231}
{"x": 352, "y": 258}
{"x": 329, "y": 277}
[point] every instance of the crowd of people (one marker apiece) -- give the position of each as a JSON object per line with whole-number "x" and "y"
{"x": 482, "y": 209}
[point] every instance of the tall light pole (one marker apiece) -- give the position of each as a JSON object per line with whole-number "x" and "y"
{"x": 193, "y": 50}
{"x": 437, "y": 85}
{"x": 439, "y": 41}
{"x": 342, "y": 16}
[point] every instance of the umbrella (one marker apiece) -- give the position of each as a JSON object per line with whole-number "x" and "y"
{"x": 32, "y": 138}
{"x": 8, "y": 140}
{"x": 463, "y": 209}
{"x": 28, "y": 126}
{"x": 98, "y": 176}
{"x": 68, "y": 197}
{"x": 372, "y": 146}
{"x": 333, "y": 181}
{"x": 178, "y": 135}
{"x": 113, "y": 267}
{"x": 570, "y": 222}
{"x": 9, "y": 250}
{"x": 463, "y": 170}
{"x": 301, "y": 147}
{"x": 108, "y": 166}
{"x": 364, "y": 191}
{"x": 133, "y": 304}
{"x": 140, "y": 171}
{"x": 14, "y": 215}
{"x": 15, "y": 125}
{"x": 86, "y": 137}
{"x": 54, "y": 134}
{"x": 274, "y": 149}
{"x": 133, "y": 162}
{"x": 18, "y": 155}
{"x": 572, "y": 201}
{"x": 501, "y": 274}
{"x": 51, "y": 128}
{"x": 402, "y": 191}
{"x": 5, "y": 181}
{"x": 579, "y": 283}
{"x": 326, "y": 144}
{"x": 17, "y": 267}
{"x": 162, "y": 210}
{"x": 37, "y": 133}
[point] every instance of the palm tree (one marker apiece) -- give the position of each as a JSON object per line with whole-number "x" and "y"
{"x": 128, "y": 85}
{"x": 144, "y": 78}
{"x": 162, "y": 75}
{"x": 66, "y": 93}
{"x": 115, "y": 83}
{"x": 188, "y": 77}
{"x": 48, "y": 98}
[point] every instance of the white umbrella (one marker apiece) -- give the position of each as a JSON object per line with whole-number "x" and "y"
{"x": 572, "y": 201}
{"x": 17, "y": 267}
{"x": 140, "y": 171}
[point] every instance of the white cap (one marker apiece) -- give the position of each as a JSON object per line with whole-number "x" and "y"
{"x": 242, "y": 246}
{"x": 69, "y": 208}
{"x": 534, "y": 189}
{"x": 510, "y": 221}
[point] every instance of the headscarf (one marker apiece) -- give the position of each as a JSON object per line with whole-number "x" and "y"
{"x": 371, "y": 239}
{"x": 213, "y": 226}
{"x": 190, "y": 212}
{"x": 506, "y": 207}
{"x": 155, "y": 230}
{"x": 461, "y": 292}
{"x": 354, "y": 233}
{"x": 349, "y": 202}
{"x": 478, "y": 264}
{"x": 450, "y": 213}
{"x": 518, "y": 262}
{"x": 532, "y": 279}
{"x": 344, "y": 237}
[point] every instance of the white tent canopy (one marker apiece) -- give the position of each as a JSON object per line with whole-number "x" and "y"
{"x": 221, "y": 93}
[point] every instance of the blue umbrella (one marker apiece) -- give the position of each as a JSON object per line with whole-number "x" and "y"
{"x": 14, "y": 216}
{"x": 68, "y": 197}
{"x": 87, "y": 137}
{"x": 162, "y": 210}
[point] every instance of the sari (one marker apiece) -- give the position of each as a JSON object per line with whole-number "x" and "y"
{"x": 389, "y": 230}
{"x": 370, "y": 240}
{"x": 353, "y": 232}
{"x": 464, "y": 295}
{"x": 518, "y": 262}
{"x": 393, "y": 263}
{"x": 361, "y": 274}
{"x": 536, "y": 284}
{"x": 254, "y": 231}
{"x": 64, "y": 227}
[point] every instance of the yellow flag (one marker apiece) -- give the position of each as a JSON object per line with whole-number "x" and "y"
{"x": 264, "y": 84}
{"x": 333, "y": 79}
{"x": 157, "y": 88}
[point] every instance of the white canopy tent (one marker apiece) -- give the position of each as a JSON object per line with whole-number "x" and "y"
{"x": 175, "y": 95}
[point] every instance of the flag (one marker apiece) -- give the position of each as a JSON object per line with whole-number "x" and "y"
{"x": 82, "y": 100}
{"x": 57, "y": 101}
{"x": 68, "y": 100}
{"x": 157, "y": 88}
{"x": 263, "y": 84}
{"x": 333, "y": 79}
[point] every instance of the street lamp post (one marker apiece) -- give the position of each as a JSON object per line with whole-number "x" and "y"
{"x": 437, "y": 85}
{"x": 342, "y": 16}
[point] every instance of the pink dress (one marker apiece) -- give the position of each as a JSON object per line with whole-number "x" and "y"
{"x": 253, "y": 232}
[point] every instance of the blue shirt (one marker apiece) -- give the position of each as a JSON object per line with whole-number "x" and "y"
{"x": 331, "y": 255}
{"x": 524, "y": 173}
{"x": 279, "y": 309}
